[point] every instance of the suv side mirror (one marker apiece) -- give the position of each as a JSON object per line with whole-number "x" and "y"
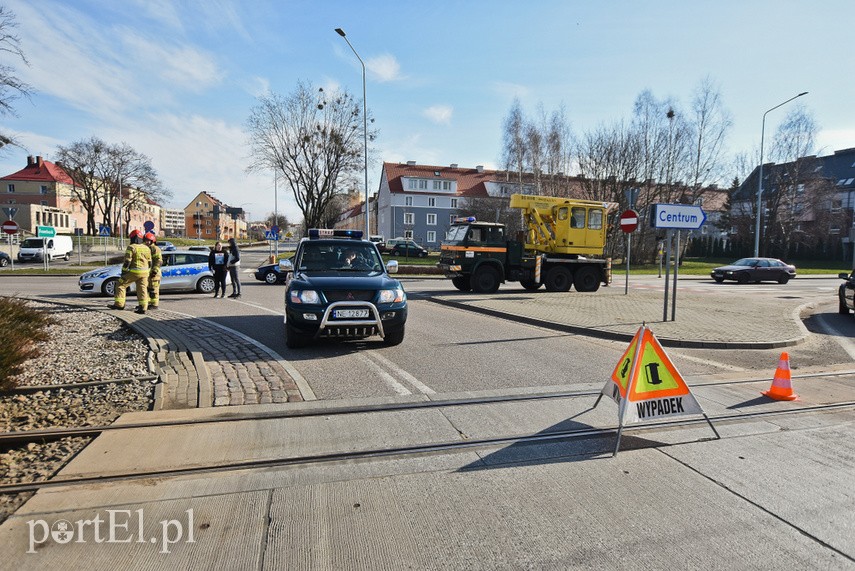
{"x": 392, "y": 266}
{"x": 286, "y": 265}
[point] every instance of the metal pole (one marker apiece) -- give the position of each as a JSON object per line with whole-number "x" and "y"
{"x": 676, "y": 271}
{"x": 341, "y": 33}
{"x": 760, "y": 182}
{"x": 628, "y": 249}
{"x": 667, "y": 272}
{"x": 276, "y": 213}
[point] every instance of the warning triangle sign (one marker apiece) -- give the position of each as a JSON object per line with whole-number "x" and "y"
{"x": 648, "y": 382}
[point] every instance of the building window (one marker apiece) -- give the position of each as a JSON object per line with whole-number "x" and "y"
{"x": 834, "y": 230}
{"x": 43, "y": 202}
{"x": 408, "y": 201}
{"x": 431, "y": 219}
{"x": 446, "y": 185}
{"x": 11, "y": 187}
{"x": 431, "y": 201}
{"x": 409, "y": 218}
{"x": 452, "y": 218}
{"x": 408, "y": 234}
{"x": 43, "y": 189}
{"x": 431, "y": 236}
{"x": 411, "y": 184}
{"x": 437, "y": 184}
{"x": 422, "y": 184}
{"x": 454, "y": 203}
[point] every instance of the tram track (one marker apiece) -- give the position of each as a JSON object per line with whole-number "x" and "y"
{"x": 13, "y": 438}
{"x": 426, "y": 449}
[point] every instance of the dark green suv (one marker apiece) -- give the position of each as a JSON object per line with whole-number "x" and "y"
{"x": 340, "y": 289}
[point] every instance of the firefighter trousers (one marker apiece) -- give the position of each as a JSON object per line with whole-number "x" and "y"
{"x": 141, "y": 284}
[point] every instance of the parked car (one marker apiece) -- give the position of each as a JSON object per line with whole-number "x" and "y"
{"x": 35, "y": 249}
{"x": 846, "y": 292}
{"x": 379, "y": 241}
{"x": 271, "y": 274}
{"x": 200, "y": 248}
{"x": 166, "y": 246}
{"x": 5, "y": 260}
{"x": 755, "y": 270}
{"x": 408, "y": 248}
{"x": 182, "y": 270}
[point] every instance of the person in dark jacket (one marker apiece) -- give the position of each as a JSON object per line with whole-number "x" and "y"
{"x": 234, "y": 267}
{"x": 218, "y": 261}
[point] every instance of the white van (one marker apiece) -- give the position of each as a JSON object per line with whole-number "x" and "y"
{"x": 34, "y": 249}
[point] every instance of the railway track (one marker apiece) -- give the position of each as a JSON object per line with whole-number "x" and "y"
{"x": 421, "y": 449}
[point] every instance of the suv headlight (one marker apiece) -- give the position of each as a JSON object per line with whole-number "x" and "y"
{"x": 391, "y": 296}
{"x": 304, "y": 296}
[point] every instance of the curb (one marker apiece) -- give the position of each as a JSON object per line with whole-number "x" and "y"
{"x": 618, "y": 336}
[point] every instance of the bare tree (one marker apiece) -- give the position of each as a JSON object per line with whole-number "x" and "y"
{"x": 709, "y": 125}
{"x": 514, "y": 149}
{"x": 97, "y": 169}
{"x": 11, "y": 87}
{"x": 315, "y": 139}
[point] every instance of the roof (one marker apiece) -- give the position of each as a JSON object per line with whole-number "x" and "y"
{"x": 40, "y": 170}
{"x": 839, "y": 168}
{"x": 470, "y": 182}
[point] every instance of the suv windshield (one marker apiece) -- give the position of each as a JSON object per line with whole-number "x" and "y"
{"x": 33, "y": 243}
{"x": 456, "y": 233}
{"x": 339, "y": 257}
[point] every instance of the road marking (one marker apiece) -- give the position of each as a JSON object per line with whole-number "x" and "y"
{"x": 422, "y": 388}
{"x": 389, "y": 379}
{"x": 709, "y": 362}
{"x": 840, "y": 337}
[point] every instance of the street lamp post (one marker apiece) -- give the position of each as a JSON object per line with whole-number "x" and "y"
{"x": 760, "y": 182}
{"x": 341, "y": 33}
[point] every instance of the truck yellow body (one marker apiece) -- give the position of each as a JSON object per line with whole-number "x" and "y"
{"x": 559, "y": 235}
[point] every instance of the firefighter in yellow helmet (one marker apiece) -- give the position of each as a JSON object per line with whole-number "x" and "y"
{"x": 135, "y": 270}
{"x": 154, "y": 274}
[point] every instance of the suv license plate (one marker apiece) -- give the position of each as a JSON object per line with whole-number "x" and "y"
{"x": 350, "y": 313}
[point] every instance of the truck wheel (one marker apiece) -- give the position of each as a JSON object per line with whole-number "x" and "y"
{"x": 485, "y": 280}
{"x": 587, "y": 279}
{"x": 559, "y": 278}
{"x": 530, "y": 285}
{"x": 463, "y": 283}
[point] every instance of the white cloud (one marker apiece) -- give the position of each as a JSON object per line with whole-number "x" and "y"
{"x": 830, "y": 140}
{"x": 180, "y": 65}
{"x": 510, "y": 90}
{"x": 440, "y": 114}
{"x": 384, "y": 68}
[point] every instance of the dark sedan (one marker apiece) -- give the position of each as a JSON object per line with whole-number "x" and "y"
{"x": 5, "y": 260}
{"x": 755, "y": 270}
{"x": 271, "y": 274}
{"x": 846, "y": 293}
{"x": 409, "y": 249}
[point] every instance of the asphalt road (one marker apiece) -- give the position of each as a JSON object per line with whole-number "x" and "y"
{"x": 448, "y": 350}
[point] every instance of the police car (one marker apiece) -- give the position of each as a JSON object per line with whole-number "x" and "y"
{"x": 340, "y": 289}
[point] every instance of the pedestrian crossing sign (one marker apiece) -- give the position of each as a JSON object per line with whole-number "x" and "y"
{"x": 647, "y": 385}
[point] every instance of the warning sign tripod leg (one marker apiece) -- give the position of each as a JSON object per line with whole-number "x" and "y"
{"x": 717, "y": 435}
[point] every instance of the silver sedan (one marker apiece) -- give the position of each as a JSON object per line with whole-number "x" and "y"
{"x": 182, "y": 270}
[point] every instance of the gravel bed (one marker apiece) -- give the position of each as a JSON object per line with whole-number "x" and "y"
{"x": 83, "y": 346}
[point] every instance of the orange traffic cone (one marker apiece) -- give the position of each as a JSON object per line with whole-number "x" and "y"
{"x": 781, "y": 388}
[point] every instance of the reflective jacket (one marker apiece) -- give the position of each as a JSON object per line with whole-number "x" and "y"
{"x": 137, "y": 259}
{"x": 156, "y": 262}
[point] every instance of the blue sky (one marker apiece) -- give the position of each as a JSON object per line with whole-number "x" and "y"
{"x": 177, "y": 79}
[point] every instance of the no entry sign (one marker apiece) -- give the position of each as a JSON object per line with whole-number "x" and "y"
{"x": 10, "y": 227}
{"x": 629, "y": 221}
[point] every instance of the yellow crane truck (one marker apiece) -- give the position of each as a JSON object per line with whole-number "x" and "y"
{"x": 560, "y": 234}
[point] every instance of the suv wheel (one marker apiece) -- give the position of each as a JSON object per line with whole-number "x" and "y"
{"x": 294, "y": 340}
{"x": 394, "y": 336}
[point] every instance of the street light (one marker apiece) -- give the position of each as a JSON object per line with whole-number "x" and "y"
{"x": 341, "y": 33}
{"x": 760, "y": 182}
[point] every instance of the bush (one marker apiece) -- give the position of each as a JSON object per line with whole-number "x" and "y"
{"x": 24, "y": 327}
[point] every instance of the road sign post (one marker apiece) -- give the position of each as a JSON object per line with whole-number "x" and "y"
{"x": 10, "y": 227}
{"x": 674, "y": 217}
{"x": 628, "y": 223}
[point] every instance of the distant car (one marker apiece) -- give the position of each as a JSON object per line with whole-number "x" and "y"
{"x": 200, "y": 248}
{"x": 846, "y": 292}
{"x": 5, "y": 260}
{"x": 379, "y": 241}
{"x": 271, "y": 274}
{"x": 182, "y": 270}
{"x": 755, "y": 270}
{"x": 408, "y": 248}
{"x": 166, "y": 246}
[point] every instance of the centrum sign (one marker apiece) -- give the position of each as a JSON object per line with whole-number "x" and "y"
{"x": 681, "y": 216}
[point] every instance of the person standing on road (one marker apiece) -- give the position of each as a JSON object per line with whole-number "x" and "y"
{"x": 135, "y": 270}
{"x": 218, "y": 261}
{"x": 234, "y": 267}
{"x": 155, "y": 274}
